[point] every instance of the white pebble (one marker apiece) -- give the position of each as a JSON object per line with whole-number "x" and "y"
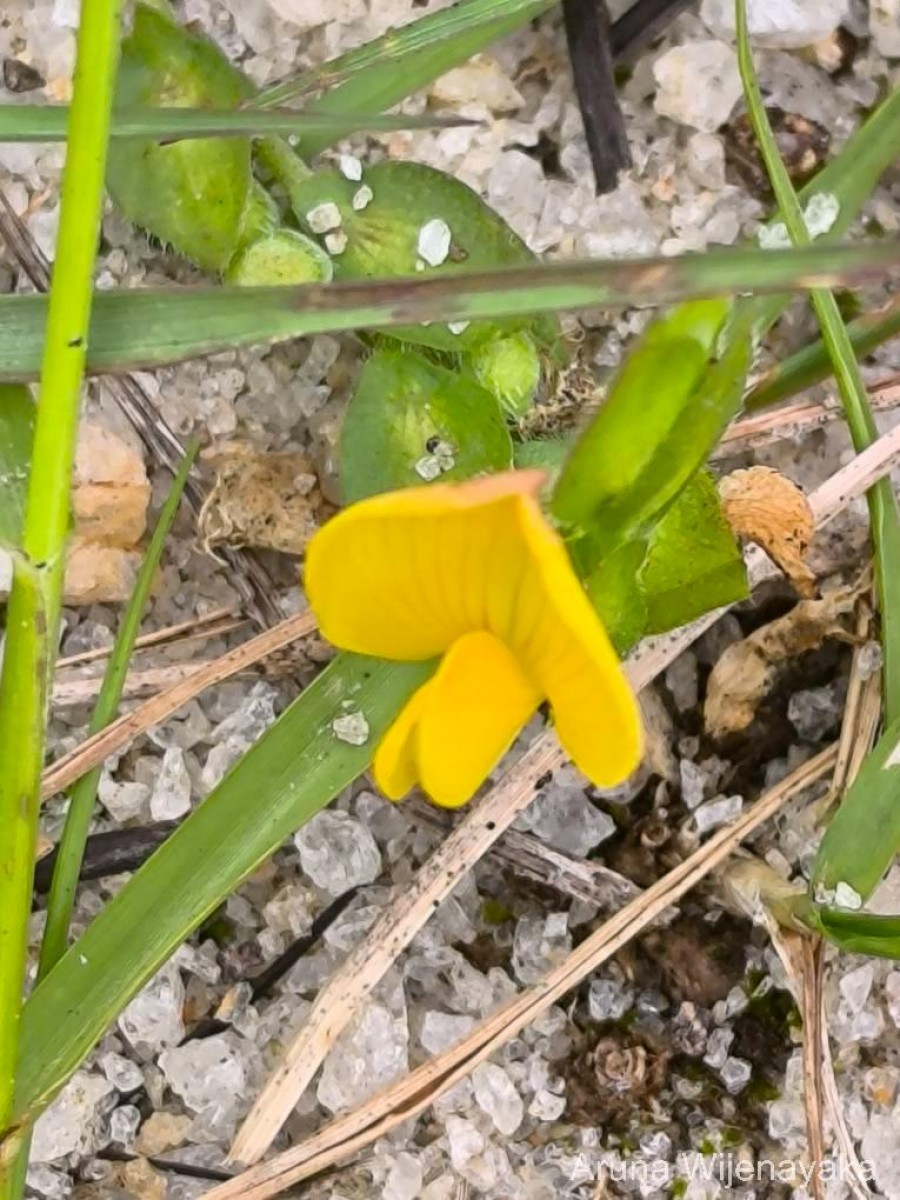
{"x": 458, "y": 326}
{"x": 336, "y": 243}
{"x": 434, "y": 241}
{"x": 324, "y": 217}
{"x": 352, "y": 728}
{"x": 362, "y": 198}
{"x": 350, "y": 167}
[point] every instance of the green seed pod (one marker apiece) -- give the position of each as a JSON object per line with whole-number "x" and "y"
{"x": 404, "y": 218}
{"x": 260, "y": 217}
{"x": 509, "y": 366}
{"x": 192, "y": 193}
{"x": 283, "y": 257}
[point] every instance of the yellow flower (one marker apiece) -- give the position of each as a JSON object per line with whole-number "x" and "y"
{"x": 472, "y": 572}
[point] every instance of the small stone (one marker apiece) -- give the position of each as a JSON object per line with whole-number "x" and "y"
{"x": 442, "y": 1030}
{"x": 564, "y": 817}
{"x": 693, "y": 783}
{"x": 884, "y": 26}
{"x": 736, "y": 1074}
{"x": 73, "y": 1124}
{"x": 609, "y": 1000}
{"x": 433, "y": 243}
{"x": 880, "y": 1150}
{"x": 324, "y": 217}
{"x": 869, "y": 659}
{"x": 162, "y": 1131}
{"x": 496, "y": 1095}
{"x": 698, "y": 84}
{"x": 125, "y": 1075}
{"x": 717, "y": 812}
{"x": 778, "y": 24}
{"x": 465, "y": 1141}
{"x": 362, "y": 198}
{"x": 352, "y": 728}
{"x": 350, "y": 167}
{"x": 97, "y": 574}
{"x": 428, "y": 467}
{"x": 717, "y": 1047}
{"x": 171, "y": 797}
{"x": 336, "y": 242}
{"x": 706, "y": 160}
{"x": 111, "y": 491}
{"x": 337, "y": 852}
{"x": 547, "y": 1105}
{"x": 855, "y": 987}
{"x": 458, "y": 327}
{"x": 123, "y": 801}
{"x": 404, "y": 1178}
{"x": 481, "y": 81}
{"x": 209, "y": 1074}
{"x": 124, "y": 1124}
{"x": 539, "y": 945}
{"x": 43, "y": 1181}
{"x": 681, "y": 676}
{"x": 814, "y": 712}
{"x": 821, "y": 212}
{"x": 154, "y": 1017}
{"x": 369, "y": 1055}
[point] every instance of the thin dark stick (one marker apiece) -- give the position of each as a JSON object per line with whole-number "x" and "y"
{"x": 110, "y": 853}
{"x": 249, "y": 576}
{"x": 263, "y": 983}
{"x": 590, "y": 53}
{"x": 643, "y": 22}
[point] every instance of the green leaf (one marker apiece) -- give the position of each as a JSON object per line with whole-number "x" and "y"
{"x": 290, "y": 774}
{"x": 547, "y": 453}
{"x": 615, "y": 591}
{"x": 863, "y": 836}
{"x": 411, "y": 420}
{"x": 16, "y": 433}
{"x": 383, "y": 239}
{"x": 48, "y": 123}
{"x": 693, "y": 562}
{"x": 654, "y": 429}
{"x": 152, "y": 327}
{"x": 857, "y": 932}
{"x": 689, "y": 564}
{"x": 191, "y": 194}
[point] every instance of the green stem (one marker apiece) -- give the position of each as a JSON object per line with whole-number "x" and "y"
{"x": 812, "y": 364}
{"x": 883, "y": 512}
{"x": 81, "y": 806}
{"x": 35, "y": 600}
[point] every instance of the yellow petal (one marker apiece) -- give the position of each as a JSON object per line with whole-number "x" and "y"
{"x": 458, "y": 725}
{"x": 478, "y": 700}
{"x": 404, "y": 575}
{"x": 568, "y": 654}
{"x": 394, "y": 766}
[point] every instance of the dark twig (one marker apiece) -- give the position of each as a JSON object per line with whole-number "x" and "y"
{"x": 590, "y": 53}
{"x": 248, "y": 575}
{"x": 638, "y": 27}
{"x": 110, "y": 853}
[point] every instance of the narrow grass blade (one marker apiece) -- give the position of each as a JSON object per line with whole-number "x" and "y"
{"x": 84, "y": 793}
{"x": 812, "y": 364}
{"x": 34, "y": 123}
{"x": 16, "y": 436}
{"x": 387, "y": 69}
{"x": 290, "y": 774}
{"x": 35, "y": 599}
{"x": 883, "y": 511}
{"x": 857, "y": 932}
{"x": 148, "y": 328}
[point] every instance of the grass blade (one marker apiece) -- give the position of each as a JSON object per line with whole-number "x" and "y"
{"x": 812, "y": 364}
{"x": 149, "y": 328}
{"x": 883, "y": 511}
{"x": 84, "y": 793}
{"x": 389, "y": 68}
{"x": 48, "y": 123}
{"x": 16, "y": 436}
{"x": 34, "y": 604}
{"x": 291, "y": 773}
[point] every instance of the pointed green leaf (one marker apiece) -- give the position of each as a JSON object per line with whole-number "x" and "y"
{"x": 411, "y": 421}
{"x": 16, "y": 432}
{"x": 857, "y": 932}
{"x": 615, "y": 591}
{"x": 863, "y": 836}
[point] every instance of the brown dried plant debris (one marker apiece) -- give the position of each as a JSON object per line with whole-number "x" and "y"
{"x": 610, "y": 1078}
{"x": 747, "y": 669}
{"x": 766, "y": 507}
{"x": 269, "y": 500}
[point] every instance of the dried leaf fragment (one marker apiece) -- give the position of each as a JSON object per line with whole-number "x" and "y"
{"x": 747, "y": 669}
{"x": 270, "y": 500}
{"x": 766, "y": 507}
